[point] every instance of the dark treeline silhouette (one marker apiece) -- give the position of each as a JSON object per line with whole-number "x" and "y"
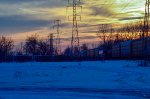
{"x": 6, "y": 47}
{"x": 36, "y": 46}
{"x": 36, "y": 49}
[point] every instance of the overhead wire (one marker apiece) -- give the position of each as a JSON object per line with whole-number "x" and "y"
{"x": 114, "y": 15}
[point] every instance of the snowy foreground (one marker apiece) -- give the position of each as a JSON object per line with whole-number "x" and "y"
{"x": 76, "y": 80}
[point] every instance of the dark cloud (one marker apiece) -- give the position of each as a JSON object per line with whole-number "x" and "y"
{"x": 52, "y": 3}
{"x": 81, "y": 38}
{"x": 100, "y": 11}
{"x": 130, "y": 18}
{"x": 63, "y": 25}
{"x": 19, "y": 1}
{"x": 90, "y": 32}
{"x": 19, "y": 23}
{"x": 11, "y": 20}
{"x": 88, "y": 37}
{"x": 37, "y": 3}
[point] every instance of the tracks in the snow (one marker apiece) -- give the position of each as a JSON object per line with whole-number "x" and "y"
{"x": 143, "y": 93}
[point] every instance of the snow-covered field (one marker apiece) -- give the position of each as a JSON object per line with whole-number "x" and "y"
{"x": 75, "y": 80}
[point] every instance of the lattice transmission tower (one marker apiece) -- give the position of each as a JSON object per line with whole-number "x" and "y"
{"x": 105, "y": 32}
{"x": 146, "y": 19}
{"x": 75, "y": 17}
{"x": 145, "y": 32}
{"x": 57, "y": 24}
{"x": 51, "y": 46}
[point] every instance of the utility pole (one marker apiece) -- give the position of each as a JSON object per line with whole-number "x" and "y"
{"x": 57, "y": 24}
{"x": 21, "y": 46}
{"x": 75, "y": 5}
{"x": 111, "y": 33}
{"x": 145, "y": 33}
{"x": 51, "y": 47}
{"x": 146, "y": 19}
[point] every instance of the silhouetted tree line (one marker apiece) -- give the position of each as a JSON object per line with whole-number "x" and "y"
{"x": 128, "y": 31}
{"x": 33, "y": 46}
{"x": 36, "y": 46}
{"x": 6, "y": 47}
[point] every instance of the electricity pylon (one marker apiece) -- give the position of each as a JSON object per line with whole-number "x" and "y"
{"x": 57, "y": 24}
{"x": 51, "y": 47}
{"x": 146, "y": 19}
{"x": 75, "y": 5}
{"x": 102, "y": 30}
{"x": 145, "y": 32}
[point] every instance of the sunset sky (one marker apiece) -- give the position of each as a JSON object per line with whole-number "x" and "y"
{"x": 21, "y": 18}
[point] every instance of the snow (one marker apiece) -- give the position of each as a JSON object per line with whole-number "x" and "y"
{"x": 74, "y": 80}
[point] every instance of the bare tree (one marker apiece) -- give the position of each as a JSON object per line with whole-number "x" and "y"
{"x": 84, "y": 47}
{"x": 31, "y": 45}
{"x": 67, "y": 51}
{"x": 43, "y": 48}
{"x": 6, "y": 46}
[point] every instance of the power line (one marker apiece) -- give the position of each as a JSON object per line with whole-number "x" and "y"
{"x": 114, "y": 15}
{"x": 123, "y": 8}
